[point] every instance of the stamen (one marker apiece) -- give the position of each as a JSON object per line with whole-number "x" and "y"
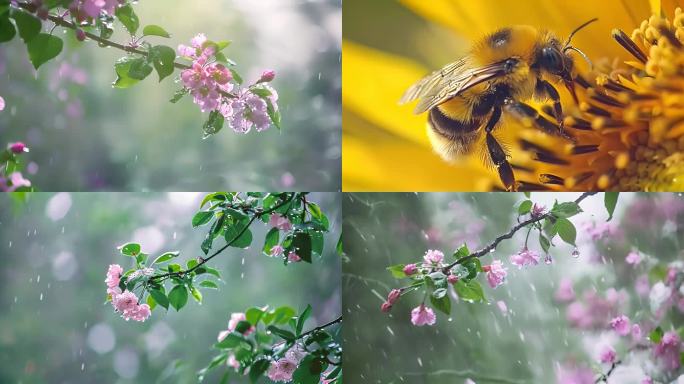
{"x": 629, "y": 45}
{"x": 582, "y": 149}
{"x": 547, "y": 178}
{"x": 594, "y": 110}
{"x": 550, "y": 158}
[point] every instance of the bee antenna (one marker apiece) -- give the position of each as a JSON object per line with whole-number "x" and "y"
{"x": 584, "y": 56}
{"x": 567, "y": 42}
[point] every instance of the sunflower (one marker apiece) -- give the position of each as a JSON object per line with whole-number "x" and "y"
{"x": 627, "y": 127}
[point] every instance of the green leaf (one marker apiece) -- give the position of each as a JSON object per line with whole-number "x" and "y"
{"x": 474, "y": 266}
{"x": 544, "y": 242}
{"x": 258, "y": 368}
{"x": 469, "y": 290}
{"x": 128, "y": 18}
{"x": 166, "y": 257}
{"x": 163, "y": 58}
{"x": 440, "y": 300}
{"x": 236, "y": 76}
{"x": 159, "y": 297}
{"x": 151, "y": 303}
{"x": 302, "y": 245}
{"x": 302, "y": 319}
{"x": 43, "y": 47}
{"x": 155, "y": 30}
{"x": 196, "y": 294}
{"x": 309, "y": 371}
{"x": 122, "y": 68}
{"x": 208, "y": 284}
{"x": 253, "y": 315}
{"x": 527, "y": 194}
{"x": 7, "y": 31}
{"x": 566, "y": 230}
{"x": 179, "y": 94}
{"x": 397, "y": 271}
{"x": 283, "y": 314}
{"x": 178, "y": 297}
{"x": 272, "y": 238}
{"x": 656, "y": 335}
{"x": 213, "y": 124}
{"x": 525, "y": 207}
{"x": 273, "y": 114}
{"x": 231, "y": 341}
{"x": 27, "y": 24}
{"x": 565, "y": 210}
{"x": 245, "y": 236}
{"x": 139, "y": 69}
{"x": 460, "y": 271}
{"x": 285, "y": 334}
{"x": 130, "y": 249}
{"x": 201, "y": 218}
{"x": 461, "y": 252}
{"x": 141, "y": 258}
{"x": 610, "y": 201}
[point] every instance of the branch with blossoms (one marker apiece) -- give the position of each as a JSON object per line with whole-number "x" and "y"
{"x": 249, "y": 344}
{"x": 208, "y": 74}
{"x": 273, "y": 342}
{"x": 11, "y": 165}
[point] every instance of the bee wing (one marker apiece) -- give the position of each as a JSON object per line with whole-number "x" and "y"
{"x": 445, "y": 83}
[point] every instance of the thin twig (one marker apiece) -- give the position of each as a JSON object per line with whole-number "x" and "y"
{"x": 604, "y": 376}
{"x": 491, "y": 246}
{"x": 320, "y": 327}
{"x": 205, "y": 260}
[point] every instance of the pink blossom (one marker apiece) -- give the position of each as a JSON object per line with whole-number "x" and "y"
{"x": 15, "y": 181}
{"x": 297, "y": 353}
{"x": 537, "y": 210}
{"x": 621, "y": 325}
{"x": 93, "y": 8}
{"x": 280, "y": 222}
{"x": 642, "y": 286}
{"x": 232, "y": 362}
{"x": 141, "y": 312}
{"x": 502, "y": 306}
{"x": 287, "y": 180}
{"x": 524, "y": 258}
{"x": 423, "y": 315}
{"x": 633, "y": 258}
{"x": 235, "y": 319}
{"x": 433, "y": 257}
{"x": 607, "y": 354}
{"x": 282, "y": 370}
{"x": 565, "y": 293}
{"x": 452, "y": 279}
{"x": 113, "y": 277}
{"x": 668, "y": 350}
{"x": 293, "y": 257}
{"x": 18, "y": 147}
{"x": 2, "y": 103}
{"x": 277, "y": 250}
{"x": 126, "y": 303}
{"x": 647, "y": 380}
{"x": 249, "y": 110}
{"x": 496, "y": 273}
{"x": 636, "y": 332}
{"x": 570, "y": 374}
{"x": 222, "y": 335}
{"x": 578, "y": 315}
{"x": 386, "y": 307}
{"x": 267, "y": 76}
{"x": 393, "y": 296}
{"x": 410, "y": 269}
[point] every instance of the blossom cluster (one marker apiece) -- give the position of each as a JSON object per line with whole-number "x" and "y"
{"x": 124, "y": 302}
{"x": 212, "y": 87}
{"x": 93, "y": 8}
{"x": 15, "y": 179}
{"x": 282, "y": 224}
{"x": 281, "y": 370}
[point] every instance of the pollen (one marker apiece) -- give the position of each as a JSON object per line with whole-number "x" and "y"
{"x": 628, "y": 128}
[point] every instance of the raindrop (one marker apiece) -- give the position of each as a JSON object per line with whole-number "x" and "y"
{"x": 10, "y": 244}
{"x": 450, "y": 319}
{"x": 82, "y": 366}
{"x": 575, "y": 253}
{"x": 420, "y": 362}
{"x": 243, "y": 261}
{"x": 41, "y": 297}
{"x": 390, "y": 330}
{"x": 38, "y": 279}
{"x": 174, "y": 235}
{"x": 242, "y": 275}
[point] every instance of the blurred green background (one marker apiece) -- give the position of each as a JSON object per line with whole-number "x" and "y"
{"x": 85, "y": 135}
{"x": 55, "y": 326}
{"x": 478, "y": 340}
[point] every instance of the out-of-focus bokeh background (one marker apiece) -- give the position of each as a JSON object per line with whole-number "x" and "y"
{"x": 85, "y": 135}
{"x": 532, "y": 341}
{"x": 55, "y": 326}
{"x": 389, "y": 45}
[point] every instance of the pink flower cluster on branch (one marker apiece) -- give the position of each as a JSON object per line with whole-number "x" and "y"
{"x": 124, "y": 302}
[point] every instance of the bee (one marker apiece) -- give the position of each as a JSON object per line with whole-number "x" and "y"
{"x": 466, "y": 99}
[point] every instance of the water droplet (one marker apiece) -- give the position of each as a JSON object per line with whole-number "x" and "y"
{"x": 575, "y": 253}
{"x": 41, "y": 297}
{"x": 38, "y": 279}
{"x": 82, "y": 366}
{"x": 174, "y": 235}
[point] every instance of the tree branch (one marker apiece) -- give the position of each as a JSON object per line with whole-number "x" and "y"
{"x": 604, "y": 376}
{"x": 205, "y": 260}
{"x": 491, "y": 246}
{"x": 326, "y": 325}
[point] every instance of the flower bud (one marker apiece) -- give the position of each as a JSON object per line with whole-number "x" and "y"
{"x": 80, "y": 35}
{"x": 267, "y": 76}
{"x": 486, "y": 268}
{"x": 18, "y": 147}
{"x": 452, "y": 279}
{"x": 410, "y": 269}
{"x": 42, "y": 13}
{"x": 393, "y": 296}
{"x": 385, "y": 307}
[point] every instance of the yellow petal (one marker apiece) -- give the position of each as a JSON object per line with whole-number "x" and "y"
{"x": 474, "y": 19}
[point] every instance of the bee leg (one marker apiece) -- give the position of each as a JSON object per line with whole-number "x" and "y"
{"x": 524, "y": 111}
{"x": 545, "y": 88}
{"x": 497, "y": 153}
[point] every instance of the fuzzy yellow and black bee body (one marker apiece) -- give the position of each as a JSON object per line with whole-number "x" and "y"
{"x": 466, "y": 99}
